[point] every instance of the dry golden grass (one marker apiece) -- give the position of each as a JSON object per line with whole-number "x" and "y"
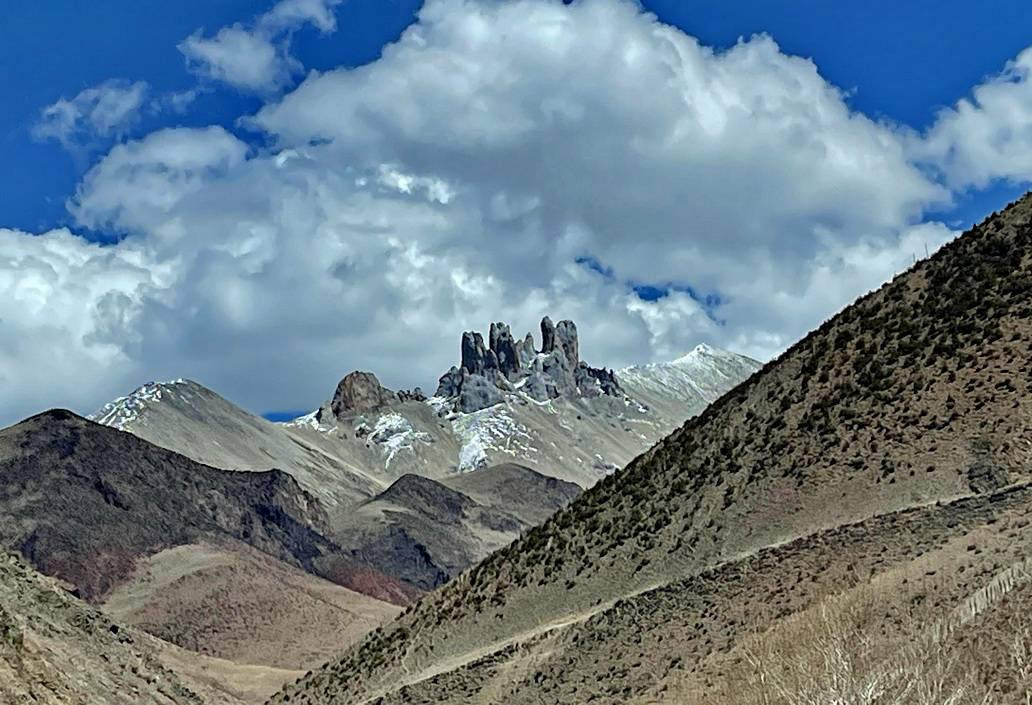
{"x": 833, "y": 655}
{"x": 222, "y": 682}
{"x": 875, "y": 645}
{"x": 229, "y": 601}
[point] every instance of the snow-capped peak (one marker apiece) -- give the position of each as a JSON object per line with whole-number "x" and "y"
{"x": 124, "y": 411}
{"x": 701, "y": 352}
{"x": 702, "y": 373}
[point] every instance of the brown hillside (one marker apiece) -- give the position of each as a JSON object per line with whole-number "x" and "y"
{"x": 889, "y": 433}
{"x": 84, "y": 502}
{"x": 426, "y": 531}
{"x": 232, "y": 602}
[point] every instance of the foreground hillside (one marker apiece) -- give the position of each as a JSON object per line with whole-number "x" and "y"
{"x": 888, "y": 450}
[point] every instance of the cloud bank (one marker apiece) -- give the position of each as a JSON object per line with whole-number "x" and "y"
{"x": 500, "y": 161}
{"x": 987, "y": 136}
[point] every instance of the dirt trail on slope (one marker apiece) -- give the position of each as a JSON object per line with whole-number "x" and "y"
{"x": 468, "y": 658}
{"x": 461, "y": 660}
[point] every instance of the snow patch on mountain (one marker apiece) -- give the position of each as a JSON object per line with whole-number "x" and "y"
{"x": 442, "y": 406}
{"x": 394, "y": 433}
{"x": 491, "y": 429}
{"x": 311, "y": 420}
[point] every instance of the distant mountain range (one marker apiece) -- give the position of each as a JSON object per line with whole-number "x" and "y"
{"x": 366, "y": 436}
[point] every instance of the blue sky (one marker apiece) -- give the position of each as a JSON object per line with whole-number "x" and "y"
{"x": 263, "y": 196}
{"x": 902, "y": 61}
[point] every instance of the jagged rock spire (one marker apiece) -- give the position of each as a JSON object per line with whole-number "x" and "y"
{"x": 547, "y": 335}
{"x": 526, "y": 350}
{"x": 504, "y": 347}
{"x": 474, "y": 355}
{"x": 486, "y": 373}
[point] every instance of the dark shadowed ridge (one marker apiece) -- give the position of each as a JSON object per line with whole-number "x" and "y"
{"x": 84, "y": 502}
{"x": 427, "y": 531}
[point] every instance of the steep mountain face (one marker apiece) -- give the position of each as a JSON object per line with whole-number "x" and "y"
{"x": 426, "y": 531}
{"x": 56, "y": 650}
{"x": 890, "y": 444}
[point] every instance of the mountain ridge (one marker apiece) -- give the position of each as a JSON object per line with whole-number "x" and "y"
{"x": 82, "y": 501}
{"x": 427, "y": 531}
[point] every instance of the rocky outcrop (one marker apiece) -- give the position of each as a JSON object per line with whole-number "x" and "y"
{"x": 359, "y": 392}
{"x": 415, "y": 394}
{"x": 489, "y": 370}
{"x": 503, "y": 357}
{"x": 505, "y": 364}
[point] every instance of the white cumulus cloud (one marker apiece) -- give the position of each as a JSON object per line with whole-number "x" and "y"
{"x": 987, "y": 136}
{"x": 68, "y": 319}
{"x": 289, "y": 14}
{"x": 103, "y": 111}
{"x": 256, "y": 58}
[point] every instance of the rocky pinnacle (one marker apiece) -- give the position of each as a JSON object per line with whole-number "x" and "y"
{"x": 360, "y": 392}
{"x": 487, "y": 373}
